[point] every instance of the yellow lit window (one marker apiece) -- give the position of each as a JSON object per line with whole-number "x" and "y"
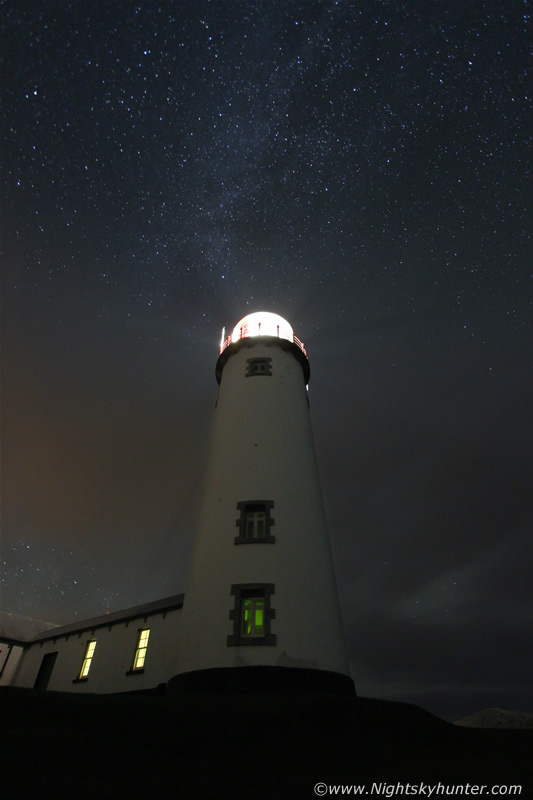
{"x": 142, "y": 645}
{"x": 86, "y": 665}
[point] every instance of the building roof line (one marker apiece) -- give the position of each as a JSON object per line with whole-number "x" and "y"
{"x": 113, "y": 618}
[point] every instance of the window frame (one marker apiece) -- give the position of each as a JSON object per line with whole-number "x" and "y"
{"x": 87, "y": 661}
{"x": 252, "y": 605}
{"x": 142, "y": 646}
{"x": 258, "y": 361}
{"x": 246, "y": 507}
{"x": 243, "y": 592}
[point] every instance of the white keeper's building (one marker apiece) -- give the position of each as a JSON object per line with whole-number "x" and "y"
{"x": 260, "y": 610}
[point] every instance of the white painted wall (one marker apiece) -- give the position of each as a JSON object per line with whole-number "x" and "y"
{"x": 10, "y": 655}
{"x": 112, "y": 659}
{"x": 262, "y": 449}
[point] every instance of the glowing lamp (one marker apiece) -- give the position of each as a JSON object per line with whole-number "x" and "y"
{"x": 262, "y": 323}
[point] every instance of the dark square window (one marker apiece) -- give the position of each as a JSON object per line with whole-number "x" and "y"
{"x": 252, "y": 614}
{"x": 258, "y": 366}
{"x": 254, "y": 522}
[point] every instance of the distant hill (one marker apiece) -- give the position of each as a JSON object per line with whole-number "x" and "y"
{"x": 497, "y": 718}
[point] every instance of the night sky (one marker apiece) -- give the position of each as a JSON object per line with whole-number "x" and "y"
{"x": 362, "y": 169}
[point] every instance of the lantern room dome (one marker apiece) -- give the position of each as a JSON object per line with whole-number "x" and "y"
{"x": 262, "y": 323}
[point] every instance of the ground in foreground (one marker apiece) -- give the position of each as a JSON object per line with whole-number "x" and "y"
{"x": 243, "y": 746}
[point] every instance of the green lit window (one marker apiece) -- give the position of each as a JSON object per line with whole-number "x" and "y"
{"x": 254, "y": 522}
{"x": 252, "y": 615}
{"x": 140, "y": 652}
{"x": 87, "y": 659}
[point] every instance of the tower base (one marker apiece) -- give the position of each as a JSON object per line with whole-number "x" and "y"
{"x": 261, "y": 680}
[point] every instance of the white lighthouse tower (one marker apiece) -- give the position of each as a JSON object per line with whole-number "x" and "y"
{"x": 261, "y": 607}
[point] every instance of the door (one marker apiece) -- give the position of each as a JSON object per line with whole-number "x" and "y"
{"x": 45, "y": 671}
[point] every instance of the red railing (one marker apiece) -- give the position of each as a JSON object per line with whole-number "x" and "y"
{"x": 229, "y": 340}
{"x": 300, "y": 344}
